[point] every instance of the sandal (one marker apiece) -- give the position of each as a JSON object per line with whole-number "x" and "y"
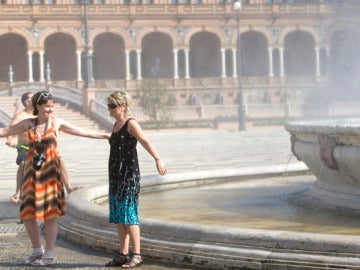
{"x": 43, "y": 262}
{"x": 119, "y": 260}
{"x": 136, "y": 260}
{"x": 47, "y": 259}
{"x": 35, "y": 255}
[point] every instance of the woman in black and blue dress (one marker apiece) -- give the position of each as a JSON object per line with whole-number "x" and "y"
{"x": 124, "y": 178}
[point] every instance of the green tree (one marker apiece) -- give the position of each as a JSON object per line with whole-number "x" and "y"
{"x": 155, "y": 101}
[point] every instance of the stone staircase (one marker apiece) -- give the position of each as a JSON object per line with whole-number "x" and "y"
{"x": 61, "y": 110}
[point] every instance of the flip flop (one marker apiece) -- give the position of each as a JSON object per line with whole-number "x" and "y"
{"x": 35, "y": 255}
{"x": 43, "y": 262}
{"x": 32, "y": 258}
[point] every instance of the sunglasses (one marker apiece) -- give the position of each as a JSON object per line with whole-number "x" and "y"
{"x": 44, "y": 96}
{"x": 111, "y": 106}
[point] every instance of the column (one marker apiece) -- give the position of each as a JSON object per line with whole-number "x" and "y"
{"x": 187, "y": 74}
{"x": 317, "y": 55}
{"x": 176, "y": 68}
{"x": 91, "y": 54}
{"x": 223, "y": 66}
{"x": 138, "y": 64}
{"x": 78, "y": 65}
{"x": 127, "y": 65}
{"x": 281, "y": 54}
{"x": 41, "y": 68}
{"x": 234, "y": 63}
{"x": 328, "y": 60}
{"x": 30, "y": 66}
{"x": 271, "y": 70}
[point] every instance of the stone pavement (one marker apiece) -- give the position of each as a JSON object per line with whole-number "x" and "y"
{"x": 86, "y": 159}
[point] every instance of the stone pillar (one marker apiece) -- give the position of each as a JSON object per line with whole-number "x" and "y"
{"x": 187, "y": 73}
{"x": 88, "y": 95}
{"x": 271, "y": 70}
{"x": 127, "y": 65}
{"x": 234, "y": 63}
{"x": 317, "y": 61}
{"x": 176, "y": 70}
{"x": 328, "y": 61}
{"x": 138, "y": 64}
{"x": 223, "y": 66}
{"x": 281, "y": 54}
{"x": 78, "y": 64}
{"x": 30, "y": 75}
{"x": 41, "y": 68}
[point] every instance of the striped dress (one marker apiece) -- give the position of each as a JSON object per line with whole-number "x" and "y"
{"x": 43, "y": 195}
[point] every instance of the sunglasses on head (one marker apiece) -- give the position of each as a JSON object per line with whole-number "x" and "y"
{"x": 112, "y": 106}
{"x": 44, "y": 95}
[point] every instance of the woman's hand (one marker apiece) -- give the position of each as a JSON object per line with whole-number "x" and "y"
{"x": 160, "y": 166}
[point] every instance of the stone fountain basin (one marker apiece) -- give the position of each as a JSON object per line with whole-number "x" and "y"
{"x": 331, "y": 150}
{"x": 209, "y": 247}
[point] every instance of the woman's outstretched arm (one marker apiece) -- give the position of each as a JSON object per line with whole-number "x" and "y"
{"x": 18, "y": 128}
{"x": 69, "y": 128}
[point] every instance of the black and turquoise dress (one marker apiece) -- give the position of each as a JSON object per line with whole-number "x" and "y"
{"x": 124, "y": 177}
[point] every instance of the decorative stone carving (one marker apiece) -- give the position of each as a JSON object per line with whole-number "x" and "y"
{"x": 327, "y": 145}
{"x": 293, "y": 140}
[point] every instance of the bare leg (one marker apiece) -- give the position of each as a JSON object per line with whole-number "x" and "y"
{"x": 65, "y": 178}
{"x": 33, "y": 232}
{"x": 134, "y": 232}
{"x": 124, "y": 238}
{"x": 136, "y": 259}
{"x": 50, "y": 239}
{"x": 50, "y": 233}
{"x": 19, "y": 178}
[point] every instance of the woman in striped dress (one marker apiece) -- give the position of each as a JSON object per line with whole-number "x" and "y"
{"x": 43, "y": 195}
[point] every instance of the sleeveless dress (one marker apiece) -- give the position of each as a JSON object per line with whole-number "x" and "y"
{"x": 124, "y": 177}
{"x": 43, "y": 195}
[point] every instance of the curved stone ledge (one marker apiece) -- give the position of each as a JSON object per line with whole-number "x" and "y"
{"x": 210, "y": 247}
{"x": 348, "y": 126}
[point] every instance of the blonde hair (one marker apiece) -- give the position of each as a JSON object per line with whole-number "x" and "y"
{"x": 121, "y": 98}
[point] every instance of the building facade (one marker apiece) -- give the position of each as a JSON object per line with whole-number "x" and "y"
{"x": 202, "y": 50}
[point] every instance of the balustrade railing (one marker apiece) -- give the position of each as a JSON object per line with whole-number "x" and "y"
{"x": 195, "y": 113}
{"x": 5, "y": 118}
{"x": 118, "y": 8}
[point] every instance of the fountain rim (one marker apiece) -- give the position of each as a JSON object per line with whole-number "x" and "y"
{"x": 334, "y": 126}
{"x": 205, "y": 246}
{"x": 82, "y": 205}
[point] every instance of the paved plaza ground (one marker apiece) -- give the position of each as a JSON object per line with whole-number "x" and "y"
{"x": 86, "y": 159}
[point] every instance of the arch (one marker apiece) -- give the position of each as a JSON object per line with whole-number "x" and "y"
{"x": 109, "y": 57}
{"x": 120, "y": 32}
{"x": 145, "y": 31}
{"x": 205, "y": 54}
{"x": 217, "y": 31}
{"x": 254, "y": 54}
{"x": 69, "y": 31}
{"x": 60, "y": 53}
{"x": 268, "y": 35}
{"x": 299, "y": 54}
{"x": 21, "y": 32}
{"x": 334, "y": 29}
{"x": 306, "y": 29}
{"x": 157, "y": 55}
{"x": 344, "y": 66}
{"x": 14, "y": 53}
